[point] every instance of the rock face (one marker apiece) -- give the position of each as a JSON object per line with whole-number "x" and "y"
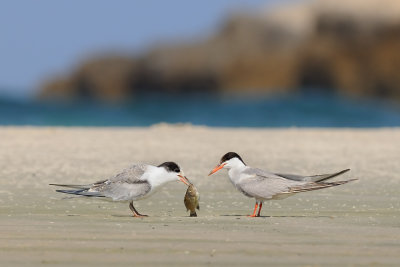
{"x": 352, "y": 47}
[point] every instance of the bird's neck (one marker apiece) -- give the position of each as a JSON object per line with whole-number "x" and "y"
{"x": 159, "y": 177}
{"x": 235, "y": 171}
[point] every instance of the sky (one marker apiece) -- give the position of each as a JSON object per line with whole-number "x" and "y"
{"x": 42, "y": 38}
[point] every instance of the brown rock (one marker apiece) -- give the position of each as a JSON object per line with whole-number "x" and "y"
{"x": 348, "y": 47}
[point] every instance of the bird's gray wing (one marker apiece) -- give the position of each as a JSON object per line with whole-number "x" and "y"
{"x": 131, "y": 174}
{"x": 122, "y": 191}
{"x": 261, "y": 173}
{"x": 265, "y": 185}
{"x": 126, "y": 185}
{"x": 293, "y": 177}
{"x": 312, "y": 178}
{"x": 262, "y": 184}
{"x": 310, "y": 186}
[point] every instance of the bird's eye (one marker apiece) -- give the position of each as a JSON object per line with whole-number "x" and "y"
{"x": 176, "y": 170}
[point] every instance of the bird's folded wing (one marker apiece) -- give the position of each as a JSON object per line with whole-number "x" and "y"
{"x": 262, "y": 184}
{"x": 265, "y": 187}
{"x": 260, "y": 173}
{"x": 121, "y": 191}
{"x": 312, "y": 178}
{"x": 293, "y": 177}
{"x": 131, "y": 174}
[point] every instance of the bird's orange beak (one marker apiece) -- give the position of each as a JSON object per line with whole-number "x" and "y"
{"x": 217, "y": 168}
{"x": 184, "y": 180}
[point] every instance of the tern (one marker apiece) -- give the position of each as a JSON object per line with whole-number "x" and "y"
{"x": 134, "y": 183}
{"x": 263, "y": 185}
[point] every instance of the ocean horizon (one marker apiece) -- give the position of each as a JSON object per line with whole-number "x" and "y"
{"x": 307, "y": 109}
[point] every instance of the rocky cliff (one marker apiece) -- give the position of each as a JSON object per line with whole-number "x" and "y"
{"x": 352, "y": 47}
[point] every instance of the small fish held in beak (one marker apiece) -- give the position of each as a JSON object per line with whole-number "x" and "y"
{"x": 191, "y": 200}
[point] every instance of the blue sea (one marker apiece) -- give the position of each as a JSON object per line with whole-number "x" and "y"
{"x": 299, "y": 110}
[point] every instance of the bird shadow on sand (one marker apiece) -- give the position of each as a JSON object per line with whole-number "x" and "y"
{"x": 130, "y": 216}
{"x": 121, "y": 216}
{"x": 277, "y": 216}
{"x": 242, "y": 216}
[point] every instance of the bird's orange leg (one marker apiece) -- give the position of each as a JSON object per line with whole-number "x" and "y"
{"x": 259, "y": 210}
{"x": 135, "y": 212}
{"x": 255, "y": 210}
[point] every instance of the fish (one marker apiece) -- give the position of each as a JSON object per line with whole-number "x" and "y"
{"x": 191, "y": 200}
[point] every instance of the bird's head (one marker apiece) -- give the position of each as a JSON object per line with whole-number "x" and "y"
{"x": 173, "y": 172}
{"x": 228, "y": 161}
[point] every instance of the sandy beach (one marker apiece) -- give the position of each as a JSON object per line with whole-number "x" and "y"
{"x": 354, "y": 224}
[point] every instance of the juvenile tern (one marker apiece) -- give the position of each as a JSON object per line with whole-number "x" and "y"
{"x": 263, "y": 185}
{"x": 134, "y": 183}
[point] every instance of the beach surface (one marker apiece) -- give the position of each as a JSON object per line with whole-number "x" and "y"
{"x": 353, "y": 224}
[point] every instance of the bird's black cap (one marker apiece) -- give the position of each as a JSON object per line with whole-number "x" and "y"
{"x": 170, "y": 166}
{"x": 230, "y": 155}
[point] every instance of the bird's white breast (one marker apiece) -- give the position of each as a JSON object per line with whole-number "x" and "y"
{"x": 236, "y": 174}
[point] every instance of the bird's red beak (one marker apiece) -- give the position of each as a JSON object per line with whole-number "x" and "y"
{"x": 184, "y": 180}
{"x": 217, "y": 168}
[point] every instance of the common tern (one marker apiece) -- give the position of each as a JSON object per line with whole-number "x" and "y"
{"x": 263, "y": 185}
{"x": 134, "y": 183}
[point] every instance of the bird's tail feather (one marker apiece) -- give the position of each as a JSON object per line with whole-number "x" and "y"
{"x": 323, "y": 177}
{"x": 77, "y": 186}
{"x": 316, "y": 186}
{"x": 81, "y": 192}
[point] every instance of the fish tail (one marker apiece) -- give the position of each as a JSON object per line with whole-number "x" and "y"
{"x": 193, "y": 214}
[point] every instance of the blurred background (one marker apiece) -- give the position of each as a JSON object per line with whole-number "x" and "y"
{"x": 271, "y": 63}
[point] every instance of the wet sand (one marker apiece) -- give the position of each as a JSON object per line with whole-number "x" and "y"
{"x": 352, "y": 224}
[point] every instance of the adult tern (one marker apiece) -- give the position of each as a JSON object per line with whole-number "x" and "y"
{"x": 263, "y": 185}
